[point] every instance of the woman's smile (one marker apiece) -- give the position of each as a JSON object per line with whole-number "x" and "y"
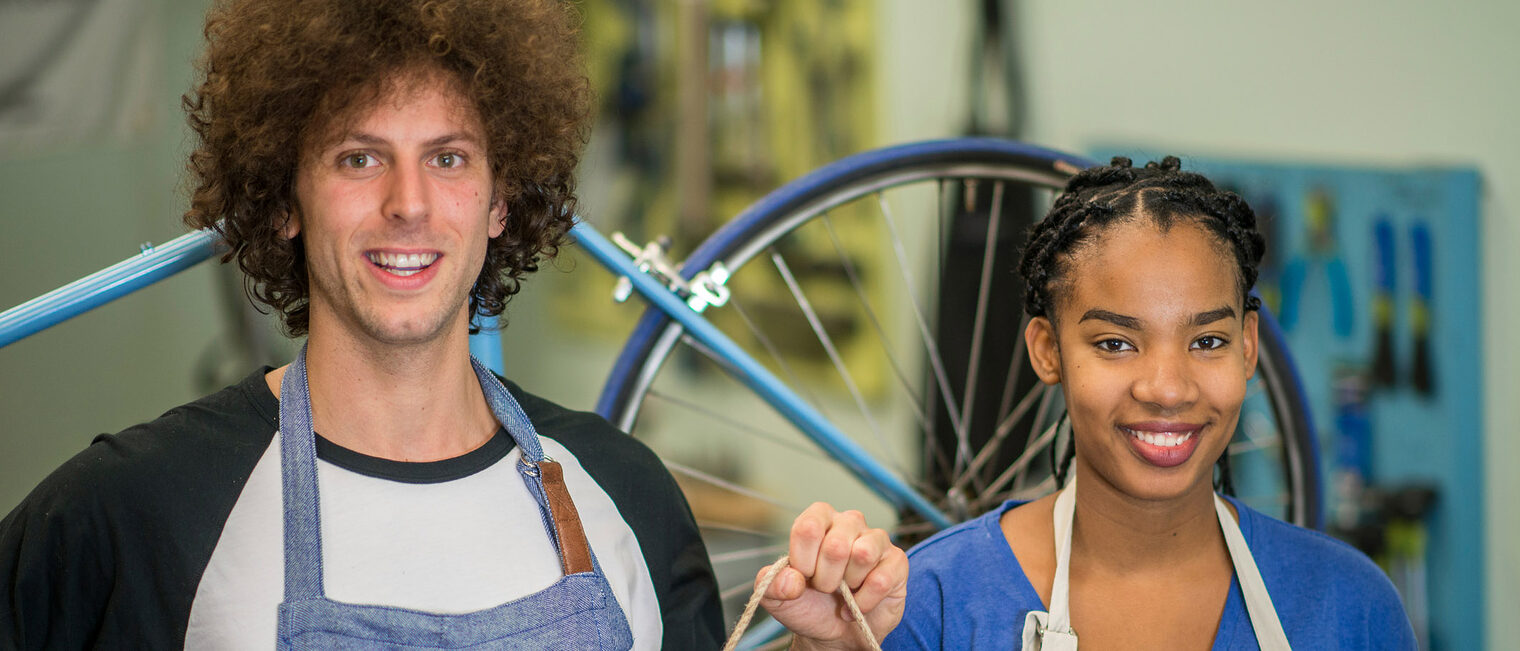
{"x": 1163, "y": 444}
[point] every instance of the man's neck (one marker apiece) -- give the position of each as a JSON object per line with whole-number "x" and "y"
{"x": 419, "y": 403}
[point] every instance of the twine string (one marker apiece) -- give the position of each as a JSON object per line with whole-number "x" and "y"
{"x": 765, "y": 583}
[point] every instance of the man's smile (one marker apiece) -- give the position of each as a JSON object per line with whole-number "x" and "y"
{"x": 401, "y": 264}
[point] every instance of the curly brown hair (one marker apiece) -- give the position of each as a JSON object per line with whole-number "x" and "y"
{"x": 280, "y": 76}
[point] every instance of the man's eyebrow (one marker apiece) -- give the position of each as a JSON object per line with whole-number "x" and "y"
{"x": 1205, "y": 318}
{"x": 373, "y": 140}
{"x": 1127, "y": 322}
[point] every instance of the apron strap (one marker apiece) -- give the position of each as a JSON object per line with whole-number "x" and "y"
{"x": 298, "y": 468}
{"x": 574, "y": 551}
{"x": 544, "y": 476}
{"x": 509, "y": 413}
{"x": 1264, "y": 620}
{"x": 1060, "y": 589}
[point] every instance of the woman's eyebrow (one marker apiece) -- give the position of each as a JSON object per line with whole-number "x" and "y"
{"x": 1132, "y": 323}
{"x": 1205, "y": 318}
{"x": 1127, "y": 322}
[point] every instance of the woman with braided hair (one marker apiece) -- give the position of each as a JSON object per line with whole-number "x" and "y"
{"x": 1139, "y": 282}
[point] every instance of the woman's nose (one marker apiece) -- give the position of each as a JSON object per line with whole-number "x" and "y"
{"x": 1166, "y": 382}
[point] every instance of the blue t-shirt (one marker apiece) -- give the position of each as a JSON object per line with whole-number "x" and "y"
{"x": 967, "y": 591}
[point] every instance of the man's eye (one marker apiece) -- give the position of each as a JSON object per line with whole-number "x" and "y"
{"x": 447, "y": 160}
{"x": 356, "y": 161}
{"x": 1209, "y": 342}
{"x": 1113, "y": 345}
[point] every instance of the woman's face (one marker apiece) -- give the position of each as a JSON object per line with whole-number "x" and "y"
{"x": 1153, "y": 349}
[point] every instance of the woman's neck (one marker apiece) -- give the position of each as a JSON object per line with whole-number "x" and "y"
{"x": 1114, "y": 532}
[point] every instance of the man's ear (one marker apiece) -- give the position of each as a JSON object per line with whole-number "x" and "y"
{"x": 1044, "y": 349}
{"x": 498, "y": 217}
{"x": 289, "y": 224}
{"x": 1249, "y": 342}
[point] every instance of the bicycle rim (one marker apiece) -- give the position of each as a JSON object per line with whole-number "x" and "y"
{"x": 858, "y": 249}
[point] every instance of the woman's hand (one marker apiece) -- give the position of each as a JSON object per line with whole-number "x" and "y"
{"x": 828, "y": 548}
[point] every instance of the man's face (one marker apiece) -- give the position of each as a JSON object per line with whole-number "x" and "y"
{"x": 395, "y": 214}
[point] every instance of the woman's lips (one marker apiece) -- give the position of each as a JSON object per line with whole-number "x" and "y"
{"x": 1163, "y": 444}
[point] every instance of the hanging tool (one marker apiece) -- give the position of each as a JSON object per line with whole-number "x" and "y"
{"x": 1320, "y": 250}
{"x": 1269, "y": 221}
{"x": 1407, "y": 536}
{"x": 1422, "y": 375}
{"x": 1351, "y": 451}
{"x": 1384, "y": 370}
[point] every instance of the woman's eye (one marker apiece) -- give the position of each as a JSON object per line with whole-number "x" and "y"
{"x": 1209, "y": 342}
{"x": 1114, "y": 345}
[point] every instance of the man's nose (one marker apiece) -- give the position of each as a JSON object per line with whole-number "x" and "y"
{"x": 1166, "y": 382}
{"x": 407, "y": 193}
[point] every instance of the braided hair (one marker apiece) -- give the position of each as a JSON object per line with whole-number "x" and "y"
{"x": 1102, "y": 196}
{"x": 1119, "y": 192}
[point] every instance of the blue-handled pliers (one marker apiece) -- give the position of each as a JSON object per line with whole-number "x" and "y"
{"x": 1320, "y": 250}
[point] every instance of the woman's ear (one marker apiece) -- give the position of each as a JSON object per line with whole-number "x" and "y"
{"x": 1249, "y": 341}
{"x": 1044, "y": 349}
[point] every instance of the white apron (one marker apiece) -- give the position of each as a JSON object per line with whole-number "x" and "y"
{"x": 1052, "y": 631}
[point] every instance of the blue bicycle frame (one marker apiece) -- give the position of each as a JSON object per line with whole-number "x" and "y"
{"x": 157, "y": 263}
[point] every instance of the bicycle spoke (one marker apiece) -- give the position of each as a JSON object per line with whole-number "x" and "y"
{"x": 1045, "y": 487}
{"x": 776, "y": 356}
{"x": 833, "y": 353}
{"x": 731, "y": 422}
{"x": 768, "y": 552}
{"x": 710, "y": 525}
{"x": 978, "y": 328}
{"x": 913, "y": 529}
{"x": 733, "y": 372}
{"x": 1039, "y": 417}
{"x": 1016, "y": 468}
{"x": 732, "y": 487}
{"x": 1015, "y": 366}
{"x": 881, "y": 333}
{"x": 941, "y": 377}
{"x": 994, "y": 444}
{"x": 735, "y": 591}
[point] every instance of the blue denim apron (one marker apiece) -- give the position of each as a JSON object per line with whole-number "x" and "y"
{"x": 577, "y": 612}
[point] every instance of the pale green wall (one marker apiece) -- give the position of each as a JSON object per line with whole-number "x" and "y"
{"x": 70, "y": 209}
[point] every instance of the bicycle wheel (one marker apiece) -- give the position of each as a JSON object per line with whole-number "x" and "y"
{"x": 831, "y": 288}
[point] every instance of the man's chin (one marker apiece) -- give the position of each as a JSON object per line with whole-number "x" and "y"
{"x": 408, "y": 333}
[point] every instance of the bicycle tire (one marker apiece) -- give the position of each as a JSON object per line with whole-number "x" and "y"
{"x": 781, "y": 213}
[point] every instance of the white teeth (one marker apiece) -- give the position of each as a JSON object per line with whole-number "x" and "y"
{"x": 1161, "y": 439}
{"x": 402, "y": 264}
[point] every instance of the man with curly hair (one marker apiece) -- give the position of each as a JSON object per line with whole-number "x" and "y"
{"x": 383, "y": 171}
